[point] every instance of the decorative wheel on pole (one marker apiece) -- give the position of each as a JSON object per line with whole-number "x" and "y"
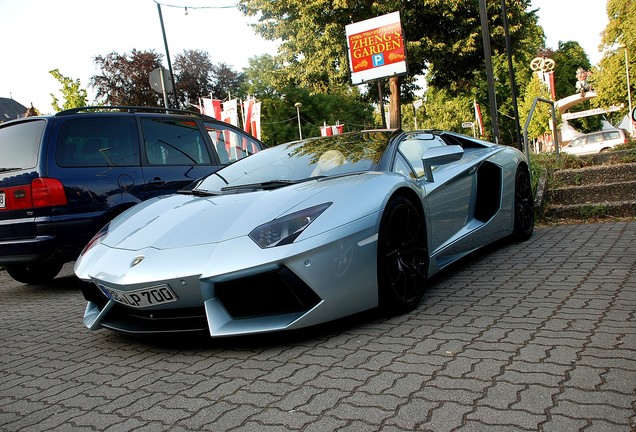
{"x": 542, "y": 64}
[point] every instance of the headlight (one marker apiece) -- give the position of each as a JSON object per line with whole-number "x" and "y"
{"x": 97, "y": 238}
{"x": 285, "y": 230}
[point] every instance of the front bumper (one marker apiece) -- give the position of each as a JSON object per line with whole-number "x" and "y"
{"x": 262, "y": 302}
{"x": 235, "y": 287}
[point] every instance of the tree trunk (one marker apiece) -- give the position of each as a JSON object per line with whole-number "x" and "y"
{"x": 395, "y": 104}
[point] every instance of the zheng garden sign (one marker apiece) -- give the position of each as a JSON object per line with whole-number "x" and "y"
{"x": 376, "y": 48}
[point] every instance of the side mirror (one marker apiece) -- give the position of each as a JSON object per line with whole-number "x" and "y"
{"x": 439, "y": 156}
{"x": 634, "y": 114}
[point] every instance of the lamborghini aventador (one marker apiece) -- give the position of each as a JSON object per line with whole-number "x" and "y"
{"x": 304, "y": 233}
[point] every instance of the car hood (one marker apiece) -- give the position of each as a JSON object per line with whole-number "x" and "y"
{"x": 184, "y": 220}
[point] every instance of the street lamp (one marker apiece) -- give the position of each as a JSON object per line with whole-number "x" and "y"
{"x": 300, "y": 131}
{"x": 629, "y": 90}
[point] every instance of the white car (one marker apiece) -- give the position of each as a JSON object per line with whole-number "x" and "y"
{"x": 596, "y": 142}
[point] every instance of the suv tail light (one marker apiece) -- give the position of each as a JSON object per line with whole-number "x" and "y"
{"x": 47, "y": 192}
{"x": 42, "y": 192}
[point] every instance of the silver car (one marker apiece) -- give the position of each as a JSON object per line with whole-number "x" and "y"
{"x": 596, "y": 142}
{"x": 304, "y": 233}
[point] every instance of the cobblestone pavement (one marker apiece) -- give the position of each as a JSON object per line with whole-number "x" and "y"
{"x": 538, "y": 336}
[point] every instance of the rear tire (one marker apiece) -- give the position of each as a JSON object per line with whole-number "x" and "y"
{"x": 524, "y": 206}
{"x": 36, "y": 273}
{"x": 402, "y": 256}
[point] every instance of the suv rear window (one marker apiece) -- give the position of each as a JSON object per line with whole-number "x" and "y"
{"x": 20, "y": 145}
{"x": 106, "y": 141}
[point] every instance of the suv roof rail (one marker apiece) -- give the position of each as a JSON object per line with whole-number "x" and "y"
{"x": 130, "y": 109}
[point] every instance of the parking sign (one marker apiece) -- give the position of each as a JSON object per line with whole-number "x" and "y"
{"x": 376, "y": 48}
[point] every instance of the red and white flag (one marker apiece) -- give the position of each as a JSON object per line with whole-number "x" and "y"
{"x": 210, "y": 107}
{"x": 326, "y": 130}
{"x": 256, "y": 120}
{"x": 230, "y": 112}
{"x": 336, "y": 129}
{"x": 478, "y": 118}
{"x": 248, "y": 108}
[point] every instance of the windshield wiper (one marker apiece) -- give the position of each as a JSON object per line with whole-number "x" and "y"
{"x": 268, "y": 185}
{"x": 9, "y": 169}
{"x": 196, "y": 192}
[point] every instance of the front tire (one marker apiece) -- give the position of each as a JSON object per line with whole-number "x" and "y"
{"x": 402, "y": 256}
{"x": 36, "y": 273}
{"x": 524, "y": 206}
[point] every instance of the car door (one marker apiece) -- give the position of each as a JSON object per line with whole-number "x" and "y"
{"x": 96, "y": 158}
{"x": 175, "y": 152}
{"x": 448, "y": 197}
{"x": 594, "y": 144}
{"x": 179, "y": 150}
{"x": 578, "y": 146}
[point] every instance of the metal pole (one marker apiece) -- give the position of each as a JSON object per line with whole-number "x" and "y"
{"x": 485, "y": 34}
{"x": 163, "y": 88}
{"x": 629, "y": 93}
{"x": 300, "y": 131}
{"x": 165, "y": 43}
{"x": 554, "y": 131}
{"x": 511, "y": 70}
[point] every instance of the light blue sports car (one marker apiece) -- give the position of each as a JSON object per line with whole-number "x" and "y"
{"x": 304, "y": 233}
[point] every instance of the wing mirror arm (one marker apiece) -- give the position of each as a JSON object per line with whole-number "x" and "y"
{"x": 440, "y": 156}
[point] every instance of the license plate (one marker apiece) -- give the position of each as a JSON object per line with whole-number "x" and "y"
{"x": 141, "y": 298}
{"x": 3, "y": 201}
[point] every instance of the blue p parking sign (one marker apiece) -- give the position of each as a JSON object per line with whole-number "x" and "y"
{"x": 378, "y": 59}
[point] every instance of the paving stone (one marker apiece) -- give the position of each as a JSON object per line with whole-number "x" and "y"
{"x": 511, "y": 418}
{"x": 534, "y": 336}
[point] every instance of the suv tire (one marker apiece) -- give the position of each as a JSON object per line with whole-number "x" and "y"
{"x": 34, "y": 274}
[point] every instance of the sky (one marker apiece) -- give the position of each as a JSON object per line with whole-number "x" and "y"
{"x": 41, "y": 35}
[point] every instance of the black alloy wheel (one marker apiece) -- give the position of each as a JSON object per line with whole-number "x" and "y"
{"x": 524, "y": 206}
{"x": 402, "y": 256}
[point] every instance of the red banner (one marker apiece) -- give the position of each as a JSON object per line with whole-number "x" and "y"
{"x": 478, "y": 118}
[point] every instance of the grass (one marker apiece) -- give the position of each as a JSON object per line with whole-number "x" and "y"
{"x": 545, "y": 164}
{"x": 593, "y": 211}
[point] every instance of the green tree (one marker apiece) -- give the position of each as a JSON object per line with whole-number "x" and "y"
{"x": 263, "y": 77}
{"x": 441, "y": 111}
{"x": 443, "y": 38}
{"x": 72, "y": 92}
{"x": 621, "y": 27}
{"x": 540, "y": 122}
{"x": 610, "y": 82}
{"x": 568, "y": 58}
{"x": 278, "y": 96}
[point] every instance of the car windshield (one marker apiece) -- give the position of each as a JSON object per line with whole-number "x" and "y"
{"x": 300, "y": 161}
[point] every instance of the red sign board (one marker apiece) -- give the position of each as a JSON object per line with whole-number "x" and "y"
{"x": 376, "y": 48}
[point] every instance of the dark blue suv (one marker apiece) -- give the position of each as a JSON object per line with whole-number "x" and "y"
{"x": 64, "y": 176}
